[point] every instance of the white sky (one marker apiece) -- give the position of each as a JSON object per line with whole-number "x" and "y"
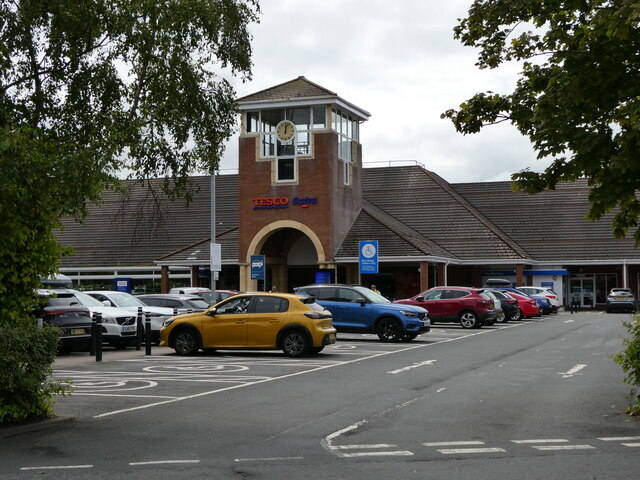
{"x": 397, "y": 60}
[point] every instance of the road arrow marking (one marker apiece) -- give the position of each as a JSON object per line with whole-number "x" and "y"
{"x": 415, "y": 365}
{"x": 572, "y": 372}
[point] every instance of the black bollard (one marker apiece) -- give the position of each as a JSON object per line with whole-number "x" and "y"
{"x": 139, "y": 329}
{"x": 147, "y": 334}
{"x": 92, "y": 344}
{"x": 98, "y": 337}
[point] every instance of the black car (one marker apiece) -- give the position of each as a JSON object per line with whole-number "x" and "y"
{"x": 508, "y": 303}
{"x": 74, "y": 323}
{"x": 183, "y": 303}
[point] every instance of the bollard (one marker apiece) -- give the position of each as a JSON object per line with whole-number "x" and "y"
{"x": 175, "y": 311}
{"x": 139, "y": 329}
{"x": 98, "y": 337}
{"x": 92, "y": 343}
{"x": 147, "y": 334}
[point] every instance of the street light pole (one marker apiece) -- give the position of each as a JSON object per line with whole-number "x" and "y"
{"x": 213, "y": 233}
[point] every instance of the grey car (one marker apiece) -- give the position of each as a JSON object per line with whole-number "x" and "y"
{"x": 621, "y": 299}
{"x": 182, "y": 303}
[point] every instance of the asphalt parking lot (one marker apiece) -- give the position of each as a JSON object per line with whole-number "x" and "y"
{"x": 128, "y": 380}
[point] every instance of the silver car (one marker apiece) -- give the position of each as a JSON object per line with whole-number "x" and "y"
{"x": 621, "y": 299}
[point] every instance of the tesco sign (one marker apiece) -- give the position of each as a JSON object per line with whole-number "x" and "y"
{"x": 282, "y": 202}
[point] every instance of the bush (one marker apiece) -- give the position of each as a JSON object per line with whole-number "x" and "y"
{"x": 27, "y": 353}
{"x": 629, "y": 359}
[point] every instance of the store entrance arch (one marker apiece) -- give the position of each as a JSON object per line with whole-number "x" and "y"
{"x": 293, "y": 254}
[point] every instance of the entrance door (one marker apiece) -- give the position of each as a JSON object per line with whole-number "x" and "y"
{"x": 582, "y": 289}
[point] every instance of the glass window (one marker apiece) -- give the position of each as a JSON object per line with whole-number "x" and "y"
{"x": 270, "y": 305}
{"x": 253, "y": 122}
{"x": 268, "y": 145}
{"x": 304, "y": 143}
{"x": 301, "y": 117}
{"x": 348, "y": 295}
{"x": 319, "y": 117}
{"x": 433, "y": 295}
{"x": 234, "y": 305}
{"x": 287, "y": 148}
{"x": 326, "y": 294}
{"x": 286, "y": 169}
{"x": 271, "y": 118}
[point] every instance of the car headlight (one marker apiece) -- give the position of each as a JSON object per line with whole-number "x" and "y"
{"x": 408, "y": 313}
{"x": 168, "y": 322}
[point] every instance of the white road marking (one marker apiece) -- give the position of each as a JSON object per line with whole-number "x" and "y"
{"x": 542, "y": 440}
{"x": 415, "y": 365}
{"x": 573, "y": 371}
{"x": 618, "y": 439}
{"x": 267, "y": 459}
{"x": 362, "y": 447}
{"x": 569, "y": 321}
{"x": 397, "y": 453}
{"x": 57, "y": 467}
{"x": 563, "y": 447}
{"x": 440, "y": 390}
{"x": 631, "y": 444}
{"x": 164, "y": 462}
{"x": 452, "y": 444}
{"x": 455, "y": 451}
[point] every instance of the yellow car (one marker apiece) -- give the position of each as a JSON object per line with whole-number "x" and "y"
{"x": 294, "y": 323}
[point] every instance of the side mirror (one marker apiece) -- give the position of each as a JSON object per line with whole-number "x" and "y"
{"x": 361, "y": 301}
{"x": 107, "y": 303}
{"x": 211, "y": 312}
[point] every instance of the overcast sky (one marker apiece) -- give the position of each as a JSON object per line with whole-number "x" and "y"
{"x": 397, "y": 60}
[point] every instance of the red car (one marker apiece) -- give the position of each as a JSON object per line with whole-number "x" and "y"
{"x": 528, "y": 306}
{"x": 471, "y": 307}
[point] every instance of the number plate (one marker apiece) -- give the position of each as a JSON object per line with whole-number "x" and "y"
{"x": 77, "y": 331}
{"x": 129, "y": 328}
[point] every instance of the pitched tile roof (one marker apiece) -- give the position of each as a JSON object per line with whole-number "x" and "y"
{"x": 297, "y": 88}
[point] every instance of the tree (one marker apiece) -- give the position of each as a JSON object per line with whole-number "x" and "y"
{"x": 577, "y": 97}
{"x": 91, "y": 87}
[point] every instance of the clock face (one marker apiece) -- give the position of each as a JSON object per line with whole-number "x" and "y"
{"x": 285, "y": 131}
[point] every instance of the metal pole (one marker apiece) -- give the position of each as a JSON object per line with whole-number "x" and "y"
{"x": 213, "y": 232}
{"x": 147, "y": 334}
{"x": 98, "y": 337}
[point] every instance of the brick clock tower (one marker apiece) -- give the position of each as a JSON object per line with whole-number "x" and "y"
{"x": 300, "y": 182}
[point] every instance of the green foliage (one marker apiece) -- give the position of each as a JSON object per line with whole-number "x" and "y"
{"x": 91, "y": 87}
{"x": 629, "y": 359}
{"x": 577, "y": 97}
{"x": 26, "y": 355}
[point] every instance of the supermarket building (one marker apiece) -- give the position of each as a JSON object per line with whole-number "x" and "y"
{"x": 302, "y": 199}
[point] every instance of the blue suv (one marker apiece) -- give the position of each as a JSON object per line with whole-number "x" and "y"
{"x": 357, "y": 309}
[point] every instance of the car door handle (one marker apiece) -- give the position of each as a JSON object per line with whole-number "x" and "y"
{"x": 240, "y": 322}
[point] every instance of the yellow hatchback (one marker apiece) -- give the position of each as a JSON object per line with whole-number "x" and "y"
{"x": 294, "y": 323}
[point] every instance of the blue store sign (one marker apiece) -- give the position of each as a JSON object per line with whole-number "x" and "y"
{"x": 257, "y": 267}
{"x": 369, "y": 256}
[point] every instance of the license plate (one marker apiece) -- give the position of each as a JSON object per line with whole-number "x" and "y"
{"x": 77, "y": 331}
{"x": 621, "y": 298}
{"x": 129, "y": 328}
{"x": 424, "y": 323}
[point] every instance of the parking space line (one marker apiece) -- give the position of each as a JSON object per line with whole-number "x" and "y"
{"x": 457, "y": 451}
{"x": 563, "y": 447}
{"x": 164, "y": 462}
{"x": 56, "y": 467}
{"x": 267, "y": 459}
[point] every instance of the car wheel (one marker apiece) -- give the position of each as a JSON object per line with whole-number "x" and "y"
{"x": 186, "y": 342}
{"x": 294, "y": 344}
{"x": 469, "y": 320}
{"x": 315, "y": 351}
{"x": 517, "y": 315}
{"x": 502, "y": 317}
{"x": 389, "y": 330}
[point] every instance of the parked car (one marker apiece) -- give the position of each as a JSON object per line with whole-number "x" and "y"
{"x": 508, "y": 303}
{"x": 357, "y": 309}
{"x": 621, "y": 299}
{"x": 128, "y": 302}
{"x": 205, "y": 293}
{"x": 294, "y": 323}
{"x": 74, "y": 322}
{"x": 183, "y": 303}
{"x": 118, "y": 326}
{"x": 470, "y": 307}
{"x": 544, "y": 292}
{"x": 527, "y": 305}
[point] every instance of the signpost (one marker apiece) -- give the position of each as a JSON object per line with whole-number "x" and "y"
{"x": 258, "y": 269}
{"x": 368, "y": 256}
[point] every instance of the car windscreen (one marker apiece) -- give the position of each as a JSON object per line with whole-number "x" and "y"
{"x": 198, "y": 303}
{"x": 83, "y": 298}
{"x": 126, "y": 300}
{"x": 370, "y": 295}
